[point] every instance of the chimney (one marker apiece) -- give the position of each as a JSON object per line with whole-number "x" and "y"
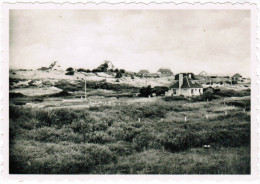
{"x": 180, "y": 80}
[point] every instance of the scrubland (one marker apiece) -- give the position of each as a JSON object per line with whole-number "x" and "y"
{"x": 147, "y": 138}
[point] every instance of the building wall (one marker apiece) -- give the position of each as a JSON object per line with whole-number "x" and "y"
{"x": 185, "y": 92}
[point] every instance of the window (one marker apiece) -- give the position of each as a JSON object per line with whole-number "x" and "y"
{"x": 191, "y": 91}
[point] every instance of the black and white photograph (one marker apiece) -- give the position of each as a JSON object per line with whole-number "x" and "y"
{"x": 133, "y": 91}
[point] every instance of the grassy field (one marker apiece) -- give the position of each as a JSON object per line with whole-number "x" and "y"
{"x": 135, "y": 138}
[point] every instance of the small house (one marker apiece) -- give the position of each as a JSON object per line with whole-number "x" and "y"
{"x": 165, "y": 72}
{"x": 186, "y": 87}
{"x": 237, "y": 77}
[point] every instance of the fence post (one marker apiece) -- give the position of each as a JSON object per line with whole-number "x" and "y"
{"x": 139, "y": 120}
{"x": 207, "y": 116}
{"x": 185, "y": 118}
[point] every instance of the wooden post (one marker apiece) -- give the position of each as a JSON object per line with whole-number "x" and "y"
{"x": 185, "y": 118}
{"x": 139, "y": 120}
{"x": 85, "y": 90}
{"x": 207, "y": 116}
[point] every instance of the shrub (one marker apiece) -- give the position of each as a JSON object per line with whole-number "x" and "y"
{"x": 100, "y": 137}
{"x": 30, "y": 157}
{"x": 159, "y": 90}
{"x": 121, "y": 148}
{"x": 69, "y": 69}
{"x": 16, "y": 95}
{"x": 174, "y": 98}
{"x": 118, "y": 75}
{"x": 83, "y": 70}
{"x": 145, "y": 91}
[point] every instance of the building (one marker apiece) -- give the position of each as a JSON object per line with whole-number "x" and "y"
{"x": 186, "y": 87}
{"x": 165, "y": 72}
{"x": 236, "y": 78}
{"x": 189, "y": 75}
{"x": 203, "y": 73}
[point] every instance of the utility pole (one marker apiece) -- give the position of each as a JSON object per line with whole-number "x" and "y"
{"x": 145, "y": 75}
{"x": 85, "y": 89}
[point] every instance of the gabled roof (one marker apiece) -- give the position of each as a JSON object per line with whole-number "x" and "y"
{"x": 237, "y": 75}
{"x": 187, "y": 83}
{"x": 203, "y": 73}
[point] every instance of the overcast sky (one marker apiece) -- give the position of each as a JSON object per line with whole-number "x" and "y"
{"x": 215, "y": 41}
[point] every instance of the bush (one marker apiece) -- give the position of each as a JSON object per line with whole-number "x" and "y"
{"x": 16, "y": 95}
{"x": 146, "y": 91}
{"x": 57, "y": 158}
{"x": 174, "y": 98}
{"x": 159, "y": 90}
{"x": 118, "y": 75}
{"x": 83, "y": 70}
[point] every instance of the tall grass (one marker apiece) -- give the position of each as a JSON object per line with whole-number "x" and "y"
{"x": 93, "y": 141}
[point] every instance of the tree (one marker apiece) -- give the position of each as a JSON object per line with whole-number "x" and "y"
{"x": 103, "y": 67}
{"x": 146, "y": 91}
{"x": 118, "y": 75}
{"x": 122, "y": 71}
{"x": 69, "y": 69}
{"x": 116, "y": 70}
{"x": 159, "y": 90}
{"x": 81, "y": 70}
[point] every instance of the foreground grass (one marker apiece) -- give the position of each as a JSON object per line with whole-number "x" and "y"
{"x": 193, "y": 161}
{"x": 112, "y": 140}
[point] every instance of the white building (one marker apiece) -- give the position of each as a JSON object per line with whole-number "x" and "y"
{"x": 186, "y": 87}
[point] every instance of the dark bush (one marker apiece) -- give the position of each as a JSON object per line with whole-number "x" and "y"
{"x": 82, "y": 70}
{"x": 159, "y": 90}
{"x": 146, "y": 91}
{"x": 118, "y": 75}
{"x": 16, "y": 95}
{"x": 69, "y": 69}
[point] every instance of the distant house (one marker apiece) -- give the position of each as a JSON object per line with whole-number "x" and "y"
{"x": 237, "y": 77}
{"x": 215, "y": 84}
{"x": 165, "y": 71}
{"x": 186, "y": 87}
{"x": 143, "y": 72}
{"x": 203, "y": 73}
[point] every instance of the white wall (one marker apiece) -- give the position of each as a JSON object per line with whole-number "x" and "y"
{"x": 185, "y": 92}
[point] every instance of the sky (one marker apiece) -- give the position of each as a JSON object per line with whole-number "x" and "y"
{"x": 215, "y": 41}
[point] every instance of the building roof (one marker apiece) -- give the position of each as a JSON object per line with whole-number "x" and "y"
{"x": 165, "y": 71}
{"x": 237, "y": 75}
{"x": 143, "y": 72}
{"x": 203, "y": 73}
{"x": 187, "y": 83}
